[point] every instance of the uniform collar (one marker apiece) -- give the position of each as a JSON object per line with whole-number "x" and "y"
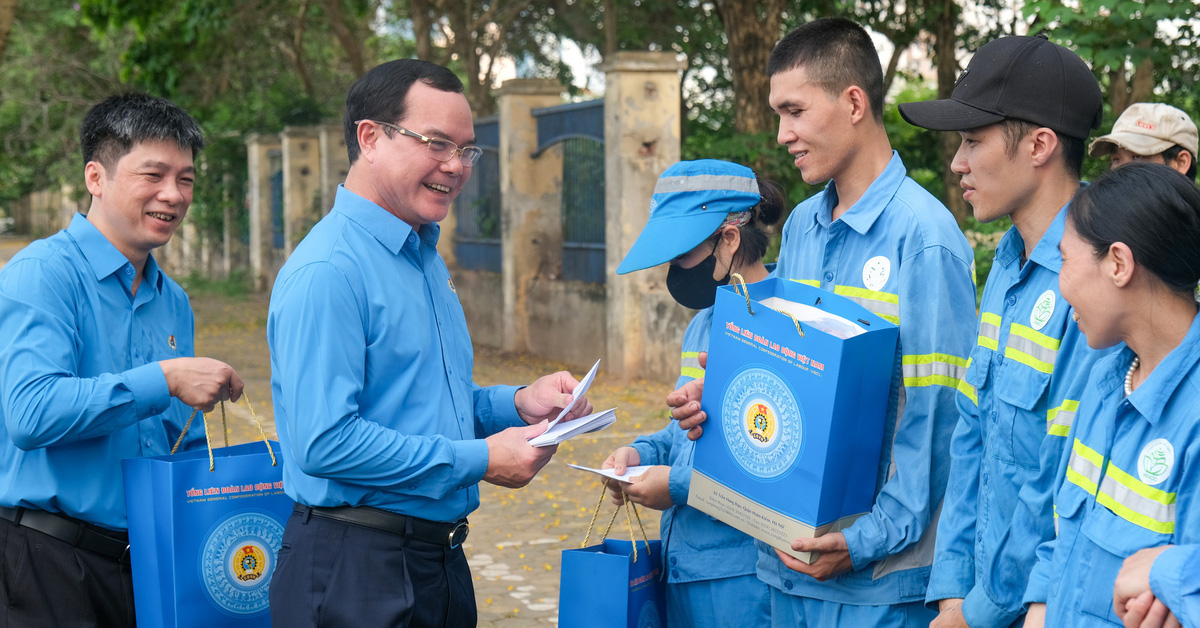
{"x": 1045, "y": 252}
{"x": 1152, "y": 396}
{"x": 379, "y": 222}
{"x": 862, "y": 215}
{"x": 103, "y": 257}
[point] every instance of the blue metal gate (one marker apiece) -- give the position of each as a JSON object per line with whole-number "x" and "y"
{"x": 580, "y": 129}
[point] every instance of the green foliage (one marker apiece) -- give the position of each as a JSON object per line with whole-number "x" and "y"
{"x": 237, "y": 285}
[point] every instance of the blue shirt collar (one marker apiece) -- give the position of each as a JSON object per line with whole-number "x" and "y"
{"x": 103, "y": 257}
{"x": 380, "y": 223}
{"x": 1152, "y": 396}
{"x": 1045, "y": 252}
{"x": 863, "y": 214}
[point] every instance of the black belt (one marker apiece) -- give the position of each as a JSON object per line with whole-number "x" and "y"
{"x": 71, "y": 531}
{"x": 449, "y": 534}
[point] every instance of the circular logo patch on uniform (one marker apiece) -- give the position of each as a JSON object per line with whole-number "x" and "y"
{"x": 876, "y": 272}
{"x": 237, "y": 561}
{"x": 1042, "y": 310}
{"x": 761, "y": 421}
{"x": 1154, "y": 465}
{"x": 648, "y": 617}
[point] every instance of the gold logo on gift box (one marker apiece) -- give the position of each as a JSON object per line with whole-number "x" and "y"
{"x": 249, "y": 563}
{"x": 760, "y": 422}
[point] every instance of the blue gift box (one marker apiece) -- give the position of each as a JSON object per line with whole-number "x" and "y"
{"x": 795, "y": 414}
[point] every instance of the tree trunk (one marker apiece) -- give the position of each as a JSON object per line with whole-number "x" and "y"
{"x": 350, "y": 41}
{"x": 8, "y": 15}
{"x": 947, "y": 72}
{"x": 418, "y": 12}
{"x": 610, "y": 28}
{"x": 751, "y": 37}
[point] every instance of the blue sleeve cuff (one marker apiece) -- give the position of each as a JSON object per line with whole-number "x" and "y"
{"x": 496, "y": 409}
{"x": 862, "y": 539}
{"x": 1038, "y": 589}
{"x": 470, "y": 462}
{"x": 647, "y": 454}
{"x": 679, "y": 484}
{"x": 979, "y": 610}
{"x": 950, "y": 578}
{"x": 1168, "y": 580}
{"x": 148, "y": 385}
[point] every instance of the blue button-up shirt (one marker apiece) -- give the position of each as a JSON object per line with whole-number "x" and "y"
{"x": 1129, "y": 481}
{"x": 697, "y": 546}
{"x": 1026, "y": 372}
{"x": 80, "y": 384}
{"x": 371, "y": 369}
{"x": 1175, "y": 580}
{"x": 899, "y": 253}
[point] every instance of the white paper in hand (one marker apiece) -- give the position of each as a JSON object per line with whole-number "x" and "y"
{"x": 577, "y": 393}
{"x": 559, "y": 432}
{"x": 630, "y": 472}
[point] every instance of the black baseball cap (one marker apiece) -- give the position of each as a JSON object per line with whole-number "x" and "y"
{"x": 1023, "y": 78}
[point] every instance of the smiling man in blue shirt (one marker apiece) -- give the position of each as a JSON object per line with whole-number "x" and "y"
{"x": 1024, "y": 108}
{"x": 385, "y": 436}
{"x": 875, "y": 236}
{"x": 97, "y": 340}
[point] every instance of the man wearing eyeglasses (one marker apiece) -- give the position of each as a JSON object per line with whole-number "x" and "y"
{"x": 385, "y": 436}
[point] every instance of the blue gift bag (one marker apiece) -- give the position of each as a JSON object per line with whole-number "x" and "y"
{"x": 203, "y": 543}
{"x": 603, "y": 586}
{"x": 792, "y": 443}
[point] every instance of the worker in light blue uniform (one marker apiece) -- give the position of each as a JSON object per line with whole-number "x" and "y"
{"x": 707, "y": 218}
{"x": 1131, "y": 262}
{"x": 385, "y": 436}
{"x": 1175, "y": 581}
{"x": 1030, "y": 363}
{"x": 874, "y": 236}
{"x": 1158, "y": 586}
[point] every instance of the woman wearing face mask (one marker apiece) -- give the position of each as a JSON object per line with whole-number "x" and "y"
{"x": 1131, "y": 262}
{"x": 707, "y": 219}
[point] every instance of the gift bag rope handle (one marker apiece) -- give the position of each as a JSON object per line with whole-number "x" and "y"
{"x": 745, "y": 292}
{"x": 225, "y": 432}
{"x": 628, "y": 519}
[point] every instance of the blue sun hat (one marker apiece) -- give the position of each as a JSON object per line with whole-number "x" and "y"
{"x": 691, "y": 200}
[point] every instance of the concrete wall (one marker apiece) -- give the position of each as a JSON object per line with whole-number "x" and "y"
{"x": 567, "y": 322}
{"x": 480, "y": 293}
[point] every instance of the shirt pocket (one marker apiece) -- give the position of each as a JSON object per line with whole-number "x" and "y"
{"x": 1020, "y": 422}
{"x": 1110, "y": 539}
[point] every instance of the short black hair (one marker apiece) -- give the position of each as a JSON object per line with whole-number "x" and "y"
{"x": 835, "y": 53}
{"x": 382, "y": 92}
{"x": 767, "y": 212}
{"x": 1154, "y": 210}
{"x": 1073, "y": 148}
{"x": 114, "y": 126}
{"x": 1172, "y": 153}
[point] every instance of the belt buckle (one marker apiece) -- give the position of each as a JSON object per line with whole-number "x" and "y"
{"x": 458, "y": 534}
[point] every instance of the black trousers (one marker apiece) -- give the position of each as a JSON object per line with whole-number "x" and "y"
{"x": 48, "y": 582}
{"x": 334, "y": 574}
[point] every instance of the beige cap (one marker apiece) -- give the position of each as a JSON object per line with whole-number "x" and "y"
{"x": 1148, "y": 129}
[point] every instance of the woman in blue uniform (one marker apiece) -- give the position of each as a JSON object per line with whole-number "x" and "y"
{"x": 1131, "y": 262}
{"x": 707, "y": 219}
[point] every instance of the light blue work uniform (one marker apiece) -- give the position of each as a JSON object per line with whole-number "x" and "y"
{"x": 900, "y": 254}
{"x": 1130, "y": 481}
{"x": 711, "y": 579}
{"x": 1023, "y": 382}
{"x": 371, "y": 371}
{"x": 80, "y": 384}
{"x": 1175, "y": 580}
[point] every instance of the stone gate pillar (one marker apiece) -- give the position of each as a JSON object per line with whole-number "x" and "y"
{"x": 301, "y": 183}
{"x": 642, "y": 122}
{"x": 258, "y": 192}
{"x": 530, "y": 192}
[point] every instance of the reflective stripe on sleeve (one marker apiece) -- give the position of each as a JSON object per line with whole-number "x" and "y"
{"x": 934, "y": 369}
{"x": 690, "y": 365}
{"x": 967, "y": 389}
{"x": 1059, "y": 420}
{"x": 1031, "y": 348}
{"x": 883, "y": 304}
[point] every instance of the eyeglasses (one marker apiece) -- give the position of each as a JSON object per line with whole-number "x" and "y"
{"x": 439, "y": 149}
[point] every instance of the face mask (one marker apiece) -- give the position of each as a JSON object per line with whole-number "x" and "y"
{"x": 695, "y": 287}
